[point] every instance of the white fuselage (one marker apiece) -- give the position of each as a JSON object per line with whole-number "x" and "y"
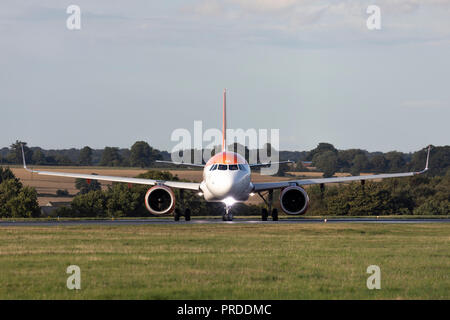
{"x": 226, "y": 181}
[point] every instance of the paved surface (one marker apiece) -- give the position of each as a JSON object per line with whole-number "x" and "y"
{"x": 212, "y": 221}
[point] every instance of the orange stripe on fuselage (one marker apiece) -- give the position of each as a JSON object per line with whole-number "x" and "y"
{"x": 226, "y": 158}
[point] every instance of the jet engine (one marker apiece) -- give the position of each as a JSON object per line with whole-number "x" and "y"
{"x": 160, "y": 200}
{"x": 294, "y": 200}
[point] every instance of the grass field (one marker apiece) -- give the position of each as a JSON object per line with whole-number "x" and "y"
{"x": 313, "y": 261}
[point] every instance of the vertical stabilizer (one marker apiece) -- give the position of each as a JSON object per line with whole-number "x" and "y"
{"x": 224, "y": 121}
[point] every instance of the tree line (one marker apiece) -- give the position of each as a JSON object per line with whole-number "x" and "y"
{"x": 140, "y": 154}
{"x": 325, "y": 158}
{"x": 329, "y": 160}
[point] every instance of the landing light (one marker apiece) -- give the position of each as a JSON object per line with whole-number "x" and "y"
{"x": 251, "y": 194}
{"x": 200, "y": 194}
{"x": 229, "y": 201}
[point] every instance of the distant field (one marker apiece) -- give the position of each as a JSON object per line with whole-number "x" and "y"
{"x": 320, "y": 261}
{"x": 46, "y": 186}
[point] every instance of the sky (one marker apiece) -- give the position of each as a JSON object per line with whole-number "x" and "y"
{"x": 138, "y": 70}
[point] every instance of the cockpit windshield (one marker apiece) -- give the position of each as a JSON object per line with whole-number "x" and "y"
{"x": 224, "y": 167}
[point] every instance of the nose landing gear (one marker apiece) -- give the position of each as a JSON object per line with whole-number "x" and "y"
{"x": 227, "y": 215}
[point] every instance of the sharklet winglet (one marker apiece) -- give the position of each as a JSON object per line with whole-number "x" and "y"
{"x": 23, "y": 158}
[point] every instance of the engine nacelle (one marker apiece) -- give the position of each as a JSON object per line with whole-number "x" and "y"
{"x": 294, "y": 200}
{"x": 160, "y": 200}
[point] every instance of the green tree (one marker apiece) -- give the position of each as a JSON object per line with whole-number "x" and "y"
{"x": 378, "y": 163}
{"x": 433, "y": 207}
{"x": 63, "y": 160}
{"x": 17, "y": 200}
{"x": 38, "y": 157}
{"x": 6, "y": 174}
{"x": 15, "y": 153}
{"x": 347, "y": 157}
{"x": 91, "y": 204}
{"x": 396, "y": 162}
{"x": 141, "y": 154}
{"x": 326, "y": 162}
{"x": 85, "y": 158}
{"x": 86, "y": 186}
{"x": 111, "y": 157}
{"x": 322, "y": 147}
{"x": 123, "y": 200}
{"x": 359, "y": 163}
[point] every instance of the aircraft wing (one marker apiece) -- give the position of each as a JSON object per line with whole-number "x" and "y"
{"x": 151, "y": 182}
{"x": 302, "y": 182}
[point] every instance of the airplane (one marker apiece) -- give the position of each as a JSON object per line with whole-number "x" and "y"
{"x": 227, "y": 179}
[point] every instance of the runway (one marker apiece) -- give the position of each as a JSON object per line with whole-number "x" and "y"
{"x": 168, "y": 221}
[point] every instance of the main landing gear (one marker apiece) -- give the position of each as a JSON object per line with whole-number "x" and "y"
{"x": 268, "y": 202}
{"x": 178, "y": 212}
{"x": 186, "y": 214}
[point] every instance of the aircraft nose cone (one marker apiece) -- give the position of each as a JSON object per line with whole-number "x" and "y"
{"x": 221, "y": 185}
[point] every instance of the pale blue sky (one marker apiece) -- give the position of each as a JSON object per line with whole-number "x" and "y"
{"x": 137, "y": 70}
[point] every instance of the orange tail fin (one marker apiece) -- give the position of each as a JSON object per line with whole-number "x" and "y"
{"x": 224, "y": 121}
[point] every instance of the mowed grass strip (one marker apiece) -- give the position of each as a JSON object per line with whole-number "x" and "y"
{"x": 314, "y": 261}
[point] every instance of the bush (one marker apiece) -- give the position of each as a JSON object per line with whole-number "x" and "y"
{"x": 7, "y": 174}
{"x": 416, "y": 195}
{"x": 66, "y": 212}
{"x": 62, "y": 193}
{"x": 433, "y": 207}
{"x": 84, "y": 186}
{"x": 91, "y": 204}
{"x": 15, "y": 199}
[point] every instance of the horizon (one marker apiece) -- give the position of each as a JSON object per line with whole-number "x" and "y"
{"x": 163, "y": 150}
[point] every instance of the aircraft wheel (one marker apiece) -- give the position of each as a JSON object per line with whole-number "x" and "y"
{"x": 227, "y": 217}
{"x": 275, "y": 214}
{"x": 187, "y": 214}
{"x": 176, "y": 215}
{"x": 224, "y": 214}
{"x": 264, "y": 214}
